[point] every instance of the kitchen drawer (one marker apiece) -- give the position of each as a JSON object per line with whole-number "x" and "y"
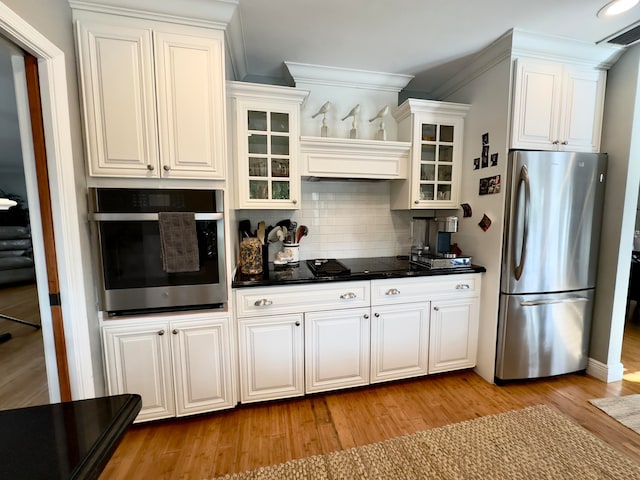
{"x": 403, "y": 290}
{"x": 258, "y": 301}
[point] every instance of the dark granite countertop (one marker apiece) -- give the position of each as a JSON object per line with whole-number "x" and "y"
{"x": 69, "y": 440}
{"x": 361, "y": 269}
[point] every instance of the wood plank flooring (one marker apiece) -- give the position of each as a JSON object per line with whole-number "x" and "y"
{"x": 23, "y": 377}
{"x": 262, "y": 434}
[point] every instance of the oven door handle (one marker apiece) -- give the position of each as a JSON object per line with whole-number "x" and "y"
{"x": 137, "y": 217}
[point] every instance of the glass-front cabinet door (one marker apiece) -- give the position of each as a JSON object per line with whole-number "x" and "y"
{"x": 436, "y": 131}
{"x": 267, "y": 146}
{"x": 436, "y": 162}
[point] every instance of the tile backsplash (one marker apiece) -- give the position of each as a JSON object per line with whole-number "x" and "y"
{"x": 345, "y": 219}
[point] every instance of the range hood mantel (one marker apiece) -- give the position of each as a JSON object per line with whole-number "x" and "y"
{"x": 325, "y": 157}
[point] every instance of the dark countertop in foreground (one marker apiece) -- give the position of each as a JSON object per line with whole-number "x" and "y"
{"x": 69, "y": 440}
{"x": 361, "y": 269}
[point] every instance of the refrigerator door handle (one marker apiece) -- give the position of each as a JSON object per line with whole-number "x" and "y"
{"x": 523, "y": 179}
{"x": 535, "y": 303}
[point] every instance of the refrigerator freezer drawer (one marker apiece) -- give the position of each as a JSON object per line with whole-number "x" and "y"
{"x": 542, "y": 335}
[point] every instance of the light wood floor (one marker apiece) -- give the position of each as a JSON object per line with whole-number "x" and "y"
{"x": 23, "y": 378}
{"x": 255, "y": 435}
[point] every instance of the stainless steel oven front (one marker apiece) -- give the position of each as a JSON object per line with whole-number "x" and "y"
{"x": 129, "y": 254}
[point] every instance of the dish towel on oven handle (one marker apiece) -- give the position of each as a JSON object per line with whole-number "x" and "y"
{"x": 179, "y": 242}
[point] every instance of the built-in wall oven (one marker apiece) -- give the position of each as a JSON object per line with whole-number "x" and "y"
{"x": 134, "y": 276}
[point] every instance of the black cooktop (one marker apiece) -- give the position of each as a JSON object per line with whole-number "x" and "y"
{"x": 327, "y": 267}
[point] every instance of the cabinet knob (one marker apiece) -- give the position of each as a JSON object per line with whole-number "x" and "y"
{"x": 416, "y": 202}
{"x": 377, "y": 315}
{"x": 295, "y": 202}
{"x": 392, "y": 291}
{"x": 161, "y": 332}
{"x": 263, "y": 302}
{"x": 366, "y": 317}
{"x": 437, "y": 309}
{"x": 348, "y": 295}
{"x": 565, "y": 143}
{"x": 555, "y": 142}
{"x": 175, "y": 331}
{"x": 297, "y": 324}
{"x": 150, "y": 167}
{"x": 166, "y": 168}
{"x": 462, "y": 286}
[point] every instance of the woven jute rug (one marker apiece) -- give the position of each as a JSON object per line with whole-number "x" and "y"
{"x": 625, "y": 409}
{"x": 533, "y": 443}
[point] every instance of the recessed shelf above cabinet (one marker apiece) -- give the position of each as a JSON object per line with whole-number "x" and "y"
{"x": 329, "y": 157}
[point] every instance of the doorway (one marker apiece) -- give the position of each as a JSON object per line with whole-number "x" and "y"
{"x": 23, "y": 375}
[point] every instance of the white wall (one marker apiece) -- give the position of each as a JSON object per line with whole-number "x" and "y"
{"x": 621, "y": 140}
{"x": 488, "y": 95}
{"x": 345, "y": 220}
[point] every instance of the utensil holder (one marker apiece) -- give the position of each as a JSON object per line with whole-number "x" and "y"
{"x": 292, "y": 251}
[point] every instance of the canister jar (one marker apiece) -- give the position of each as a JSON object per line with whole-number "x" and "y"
{"x": 292, "y": 252}
{"x": 251, "y": 256}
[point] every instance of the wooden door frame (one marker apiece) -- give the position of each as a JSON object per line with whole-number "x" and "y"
{"x": 46, "y": 220}
{"x": 80, "y": 331}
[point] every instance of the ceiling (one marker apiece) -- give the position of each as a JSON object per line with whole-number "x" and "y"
{"x": 424, "y": 38}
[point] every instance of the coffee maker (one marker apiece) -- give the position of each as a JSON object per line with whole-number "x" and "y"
{"x": 440, "y": 230}
{"x": 432, "y": 248}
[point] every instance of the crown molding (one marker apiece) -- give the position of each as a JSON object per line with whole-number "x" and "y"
{"x": 204, "y": 13}
{"x": 520, "y": 43}
{"x": 346, "y": 77}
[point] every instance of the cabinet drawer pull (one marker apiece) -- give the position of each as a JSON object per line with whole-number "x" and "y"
{"x": 263, "y": 302}
{"x": 565, "y": 143}
{"x": 150, "y": 167}
{"x": 175, "y": 331}
{"x": 161, "y": 332}
{"x": 166, "y": 168}
{"x": 463, "y": 286}
{"x": 346, "y": 296}
{"x": 392, "y": 291}
{"x": 437, "y": 309}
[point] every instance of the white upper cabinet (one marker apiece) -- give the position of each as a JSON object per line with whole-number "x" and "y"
{"x": 557, "y": 106}
{"x": 436, "y": 132}
{"x": 153, "y": 98}
{"x": 266, "y": 145}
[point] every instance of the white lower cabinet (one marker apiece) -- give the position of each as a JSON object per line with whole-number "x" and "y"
{"x": 336, "y": 349}
{"x": 271, "y": 357}
{"x": 179, "y": 367}
{"x": 299, "y": 339}
{"x": 399, "y": 341}
{"x": 453, "y": 343}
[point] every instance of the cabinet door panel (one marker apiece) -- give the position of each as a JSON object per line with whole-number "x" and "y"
{"x": 191, "y": 106}
{"x": 536, "y": 104}
{"x": 138, "y": 360}
{"x": 116, "y": 68}
{"x": 271, "y": 357}
{"x": 202, "y": 366}
{"x": 453, "y": 335}
{"x": 399, "y": 341}
{"x": 336, "y": 349}
{"x": 582, "y": 113}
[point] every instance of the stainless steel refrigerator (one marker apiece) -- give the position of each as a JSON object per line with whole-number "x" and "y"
{"x": 550, "y": 251}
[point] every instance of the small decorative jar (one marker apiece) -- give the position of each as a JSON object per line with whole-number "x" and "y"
{"x": 251, "y": 256}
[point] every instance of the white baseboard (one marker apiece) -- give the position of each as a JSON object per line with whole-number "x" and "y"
{"x": 605, "y": 373}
